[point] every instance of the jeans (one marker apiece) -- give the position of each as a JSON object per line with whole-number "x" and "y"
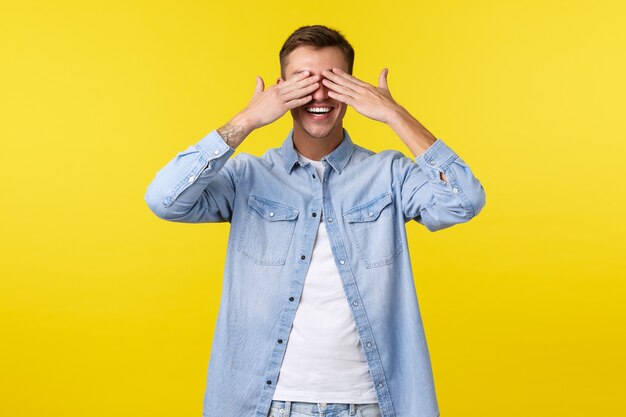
{"x": 304, "y": 409}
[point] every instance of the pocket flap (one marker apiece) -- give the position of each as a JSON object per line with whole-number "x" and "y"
{"x": 369, "y": 211}
{"x": 271, "y": 210}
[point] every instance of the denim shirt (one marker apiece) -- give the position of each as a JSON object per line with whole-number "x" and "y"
{"x": 274, "y": 204}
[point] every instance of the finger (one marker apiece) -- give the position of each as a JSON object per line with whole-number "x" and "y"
{"x": 298, "y": 77}
{"x": 341, "y": 97}
{"x": 349, "y": 77}
{"x": 382, "y": 79}
{"x": 339, "y": 88}
{"x": 347, "y": 83}
{"x": 294, "y": 94}
{"x": 299, "y": 84}
{"x": 298, "y": 102}
{"x": 339, "y": 80}
{"x": 260, "y": 85}
{"x": 293, "y": 79}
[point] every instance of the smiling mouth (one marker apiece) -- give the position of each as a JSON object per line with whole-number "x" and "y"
{"x": 318, "y": 110}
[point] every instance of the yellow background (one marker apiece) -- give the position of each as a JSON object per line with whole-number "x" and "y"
{"x": 107, "y": 310}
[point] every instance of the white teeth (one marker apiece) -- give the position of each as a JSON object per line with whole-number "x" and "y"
{"x": 319, "y": 109}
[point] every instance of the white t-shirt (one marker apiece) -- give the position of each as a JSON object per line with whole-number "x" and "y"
{"x": 324, "y": 360}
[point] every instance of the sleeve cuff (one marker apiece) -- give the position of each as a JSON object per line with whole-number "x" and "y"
{"x": 213, "y": 145}
{"x": 438, "y": 156}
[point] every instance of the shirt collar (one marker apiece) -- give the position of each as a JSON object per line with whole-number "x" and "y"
{"x": 337, "y": 159}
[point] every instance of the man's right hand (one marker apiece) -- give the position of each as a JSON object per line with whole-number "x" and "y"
{"x": 268, "y": 106}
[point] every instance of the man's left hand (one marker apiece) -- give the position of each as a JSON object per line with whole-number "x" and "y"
{"x": 373, "y": 102}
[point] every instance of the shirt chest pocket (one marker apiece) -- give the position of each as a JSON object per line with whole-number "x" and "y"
{"x": 267, "y": 231}
{"x": 375, "y": 231}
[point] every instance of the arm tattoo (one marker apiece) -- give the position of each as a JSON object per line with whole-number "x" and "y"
{"x": 232, "y": 134}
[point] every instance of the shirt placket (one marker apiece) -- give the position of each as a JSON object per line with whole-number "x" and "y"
{"x": 354, "y": 300}
{"x": 305, "y": 246}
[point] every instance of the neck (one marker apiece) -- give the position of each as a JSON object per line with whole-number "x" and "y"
{"x": 316, "y": 148}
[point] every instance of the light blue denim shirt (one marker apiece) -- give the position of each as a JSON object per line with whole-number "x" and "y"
{"x": 274, "y": 204}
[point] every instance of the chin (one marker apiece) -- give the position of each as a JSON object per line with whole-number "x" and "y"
{"x": 318, "y": 134}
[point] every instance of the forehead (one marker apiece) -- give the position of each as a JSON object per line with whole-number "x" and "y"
{"x": 314, "y": 60}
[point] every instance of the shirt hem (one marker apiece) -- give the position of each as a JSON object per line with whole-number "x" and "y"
{"x": 302, "y": 396}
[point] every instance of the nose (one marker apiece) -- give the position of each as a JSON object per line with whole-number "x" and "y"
{"x": 321, "y": 94}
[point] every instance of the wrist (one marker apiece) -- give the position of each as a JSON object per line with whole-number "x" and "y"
{"x": 414, "y": 135}
{"x": 397, "y": 114}
{"x": 236, "y": 130}
{"x": 244, "y": 120}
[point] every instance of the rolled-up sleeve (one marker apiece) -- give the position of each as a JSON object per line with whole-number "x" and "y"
{"x": 431, "y": 201}
{"x": 197, "y": 185}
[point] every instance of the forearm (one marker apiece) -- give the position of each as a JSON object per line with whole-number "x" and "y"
{"x": 412, "y": 132}
{"x": 236, "y": 130}
{"x": 416, "y": 137}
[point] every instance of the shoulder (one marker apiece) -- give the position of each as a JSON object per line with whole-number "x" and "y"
{"x": 386, "y": 156}
{"x": 267, "y": 160}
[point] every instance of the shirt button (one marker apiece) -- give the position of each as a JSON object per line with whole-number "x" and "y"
{"x": 271, "y": 214}
{"x": 280, "y": 340}
{"x": 455, "y": 190}
{"x": 314, "y": 214}
{"x": 342, "y": 262}
{"x": 380, "y": 385}
{"x": 290, "y": 298}
{"x": 303, "y": 257}
{"x": 330, "y": 219}
{"x": 269, "y": 382}
{"x": 356, "y": 303}
{"x": 191, "y": 178}
{"x": 313, "y": 175}
{"x": 370, "y": 214}
{"x": 216, "y": 152}
{"x": 368, "y": 344}
{"x": 432, "y": 162}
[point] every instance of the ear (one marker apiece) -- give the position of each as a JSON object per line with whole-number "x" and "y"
{"x": 279, "y": 80}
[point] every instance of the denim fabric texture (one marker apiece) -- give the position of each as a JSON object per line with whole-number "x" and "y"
{"x": 274, "y": 204}
{"x": 304, "y": 409}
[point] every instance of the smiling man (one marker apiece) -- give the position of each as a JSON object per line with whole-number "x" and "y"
{"x": 318, "y": 313}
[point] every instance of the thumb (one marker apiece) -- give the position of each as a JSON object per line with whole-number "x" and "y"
{"x": 260, "y": 86}
{"x": 382, "y": 79}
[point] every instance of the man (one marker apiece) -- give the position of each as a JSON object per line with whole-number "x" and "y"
{"x": 318, "y": 312}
